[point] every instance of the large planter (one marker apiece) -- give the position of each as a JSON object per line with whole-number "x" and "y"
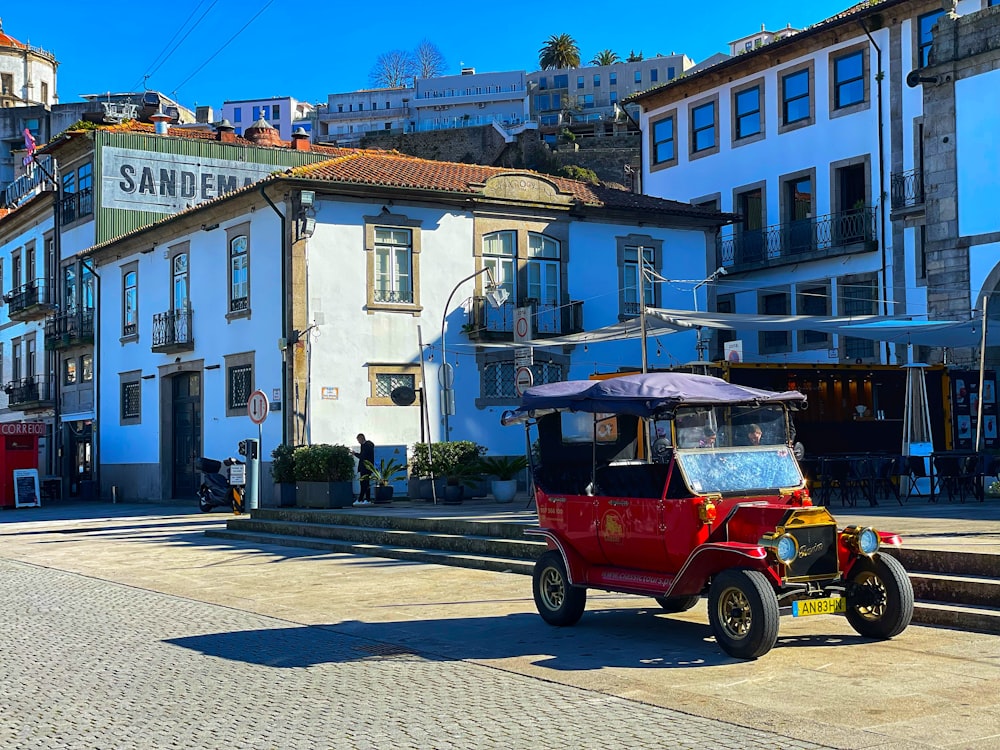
{"x": 324, "y": 494}
{"x": 453, "y": 494}
{"x": 284, "y": 495}
{"x": 503, "y": 490}
{"x": 425, "y": 488}
{"x": 477, "y": 488}
{"x": 413, "y": 488}
{"x": 383, "y": 495}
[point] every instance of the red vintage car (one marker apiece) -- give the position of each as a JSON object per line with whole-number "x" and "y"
{"x": 674, "y": 486}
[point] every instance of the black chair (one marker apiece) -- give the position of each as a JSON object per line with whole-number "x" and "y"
{"x": 888, "y": 472}
{"x": 916, "y": 469}
{"x": 971, "y": 477}
{"x": 837, "y": 472}
{"x": 956, "y": 474}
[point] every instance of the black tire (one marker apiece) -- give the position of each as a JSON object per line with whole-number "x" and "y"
{"x": 557, "y": 601}
{"x": 203, "y": 504}
{"x": 743, "y": 612}
{"x": 879, "y": 597}
{"x": 674, "y": 604}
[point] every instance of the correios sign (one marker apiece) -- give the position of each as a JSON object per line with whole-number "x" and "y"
{"x": 135, "y": 180}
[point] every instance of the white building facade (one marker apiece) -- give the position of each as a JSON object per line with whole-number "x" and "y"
{"x": 470, "y": 99}
{"x": 283, "y": 113}
{"x": 351, "y": 115}
{"x": 815, "y": 140}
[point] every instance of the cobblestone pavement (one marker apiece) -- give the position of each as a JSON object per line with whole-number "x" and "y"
{"x": 88, "y": 663}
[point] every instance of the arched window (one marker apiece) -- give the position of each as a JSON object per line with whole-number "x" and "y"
{"x": 181, "y": 289}
{"x": 239, "y": 284}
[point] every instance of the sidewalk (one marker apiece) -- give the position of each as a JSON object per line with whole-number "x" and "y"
{"x": 959, "y": 527}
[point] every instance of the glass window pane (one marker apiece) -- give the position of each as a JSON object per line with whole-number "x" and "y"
{"x": 704, "y": 116}
{"x": 848, "y": 67}
{"x": 796, "y": 84}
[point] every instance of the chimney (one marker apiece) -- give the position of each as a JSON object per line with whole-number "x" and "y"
{"x": 226, "y": 132}
{"x": 300, "y": 140}
{"x": 160, "y": 121}
{"x": 262, "y": 133}
{"x": 203, "y": 114}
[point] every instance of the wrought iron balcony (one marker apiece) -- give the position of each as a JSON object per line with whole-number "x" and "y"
{"x": 77, "y": 205}
{"x": 28, "y": 393}
{"x": 907, "y": 190}
{"x": 173, "y": 331}
{"x": 30, "y": 301}
{"x": 842, "y": 233}
{"x": 487, "y": 323}
{"x": 386, "y": 296}
{"x": 71, "y": 328}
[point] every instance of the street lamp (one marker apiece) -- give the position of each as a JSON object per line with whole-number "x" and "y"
{"x": 496, "y": 295}
{"x": 699, "y": 345}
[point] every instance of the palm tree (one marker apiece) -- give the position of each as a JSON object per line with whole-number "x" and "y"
{"x": 560, "y": 51}
{"x": 633, "y": 57}
{"x": 605, "y": 57}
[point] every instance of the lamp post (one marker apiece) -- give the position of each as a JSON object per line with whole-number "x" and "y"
{"x": 699, "y": 345}
{"x": 496, "y": 295}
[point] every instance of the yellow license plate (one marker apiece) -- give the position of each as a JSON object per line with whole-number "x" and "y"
{"x": 831, "y": 606}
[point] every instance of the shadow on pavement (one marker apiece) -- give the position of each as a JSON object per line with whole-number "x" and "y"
{"x": 625, "y": 638}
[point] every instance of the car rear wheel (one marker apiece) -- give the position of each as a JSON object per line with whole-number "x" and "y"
{"x": 557, "y": 601}
{"x": 743, "y": 612}
{"x": 879, "y": 597}
{"x": 673, "y": 604}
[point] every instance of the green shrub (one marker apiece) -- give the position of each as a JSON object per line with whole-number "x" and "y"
{"x": 583, "y": 174}
{"x": 283, "y": 464}
{"x": 446, "y": 459}
{"x": 323, "y": 463}
{"x": 385, "y": 472}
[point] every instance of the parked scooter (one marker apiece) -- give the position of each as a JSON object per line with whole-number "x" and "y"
{"x": 222, "y": 484}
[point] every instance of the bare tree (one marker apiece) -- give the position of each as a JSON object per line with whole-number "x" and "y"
{"x": 429, "y": 60}
{"x": 393, "y": 69}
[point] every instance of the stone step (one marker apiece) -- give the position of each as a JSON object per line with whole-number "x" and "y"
{"x": 949, "y": 563}
{"x": 953, "y": 589}
{"x": 960, "y": 617}
{"x": 474, "y": 544}
{"x": 493, "y": 563}
{"x": 504, "y": 525}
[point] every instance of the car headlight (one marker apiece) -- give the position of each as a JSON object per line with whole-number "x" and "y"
{"x": 868, "y": 541}
{"x": 865, "y": 541}
{"x": 786, "y": 549}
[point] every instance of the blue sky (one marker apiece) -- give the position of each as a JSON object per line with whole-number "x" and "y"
{"x": 208, "y": 51}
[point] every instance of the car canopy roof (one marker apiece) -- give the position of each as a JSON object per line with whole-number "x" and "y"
{"x": 643, "y": 395}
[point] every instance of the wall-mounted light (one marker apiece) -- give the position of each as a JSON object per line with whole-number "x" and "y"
{"x": 148, "y": 377}
{"x": 209, "y": 227}
{"x": 212, "y": 367}
{"x": 307, "y": 198}
{"x": 308, "y": 226}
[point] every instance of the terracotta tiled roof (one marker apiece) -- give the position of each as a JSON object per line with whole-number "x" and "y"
{"x": 9, "y": 41}
{"x": 392, "y": 169}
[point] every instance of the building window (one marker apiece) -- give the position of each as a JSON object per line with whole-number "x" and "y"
{"x": 130, "y": 301}
{"x": 664, "y": 141}
{"x": 180, "y": 279}
{"x": 498, "y": 378}
{"x": 613, "y": 97}
{"x": 393, "y": 263}
{"x": 239, "y": 280}
{"x": 579, "y": 82}
{"x": 560, "y": 81}
{"x": 638, "y": 76}
{"x": 69, "y": 285}
{"x": 654, "y": 75}
{"x": 703, "y": 127}
{"x": 384, "y": 379}
{"x": 542, "y": 83}
{"x": 858, "y": 297}
{"x": 635, "y": 280}
{"x": 724, "y": 303}
{"x": 925, "y": 29}
{"x": 7, "y": 83}
{"x": 775, "y": 303}
{"x": 500, "y": 256}
{"x": 543, "y": 275}
{"x": 813, "y": 300}
{"x": 795, "y": 103}
{"x": 131, "y": 398}
{"x": 612, "y": 79}
{"x": 671, "y": 73}
{"x": 848, "y": 80}
{"x": 237, "y": 114}
{"x": 87, "y": 368}
{"x": 586, "y": 101}
{"x": 239, "y": 386}
{"x": 747, "y": 106}
{"x": 393, "y": 274}
{"x": 69, "y": 371}
{"x": 276, "y": 111}
{"x": 597, "y": 80}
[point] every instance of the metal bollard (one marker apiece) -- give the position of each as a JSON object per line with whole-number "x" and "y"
{"x": 114, "y": 493}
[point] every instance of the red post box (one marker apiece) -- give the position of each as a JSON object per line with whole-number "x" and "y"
{"x": 18, "y": 450}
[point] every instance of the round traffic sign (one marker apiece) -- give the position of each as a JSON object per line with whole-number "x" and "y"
{"x": 523, "y": 380}
{"x": 257, "y": 407}
{"x": 521, "y": 327}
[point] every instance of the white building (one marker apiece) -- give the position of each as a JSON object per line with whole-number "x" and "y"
{"x": 283, "y": 113}
{"x": 318, "y": 286}
{"x": 27, "y": 74}
{"x": 470, "y": 99}
{"x": 351, "y": 115}
{"x": 815, "y": 139}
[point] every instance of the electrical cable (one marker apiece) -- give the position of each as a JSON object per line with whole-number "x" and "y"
{"x": 164, "y": 53}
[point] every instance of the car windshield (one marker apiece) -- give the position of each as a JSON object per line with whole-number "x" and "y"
{"x": 726, "y": 426}
{"x": 739, "y": 469}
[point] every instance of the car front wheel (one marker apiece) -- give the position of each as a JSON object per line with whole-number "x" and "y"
{"x": 743, "y": 612}
{"x": 879, "y": 597}
{"x": 558, "y": 602}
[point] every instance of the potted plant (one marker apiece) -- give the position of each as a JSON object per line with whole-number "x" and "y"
{"x": 324, "y": 476}
{"x": 283, "y": 474}
{"x": 453, "y": 463}
{"x": 506, "y": 470}
{"x": 383, "y": 473}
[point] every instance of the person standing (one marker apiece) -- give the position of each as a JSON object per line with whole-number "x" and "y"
{"x": 366, "y": 459}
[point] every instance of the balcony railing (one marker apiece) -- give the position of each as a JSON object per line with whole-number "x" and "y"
{"x": 173, "y": 331}
{"x": 28, "y": 393}
{"x": 77, "y": 205}
{"x": 487, "y": 323}
{"x": 390, "y": 296}
{"x": 907, "y": 189}
{"x": 69, "y": 329}
{"x": 29, "y": 301}
{"x": 808, "y": 239}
